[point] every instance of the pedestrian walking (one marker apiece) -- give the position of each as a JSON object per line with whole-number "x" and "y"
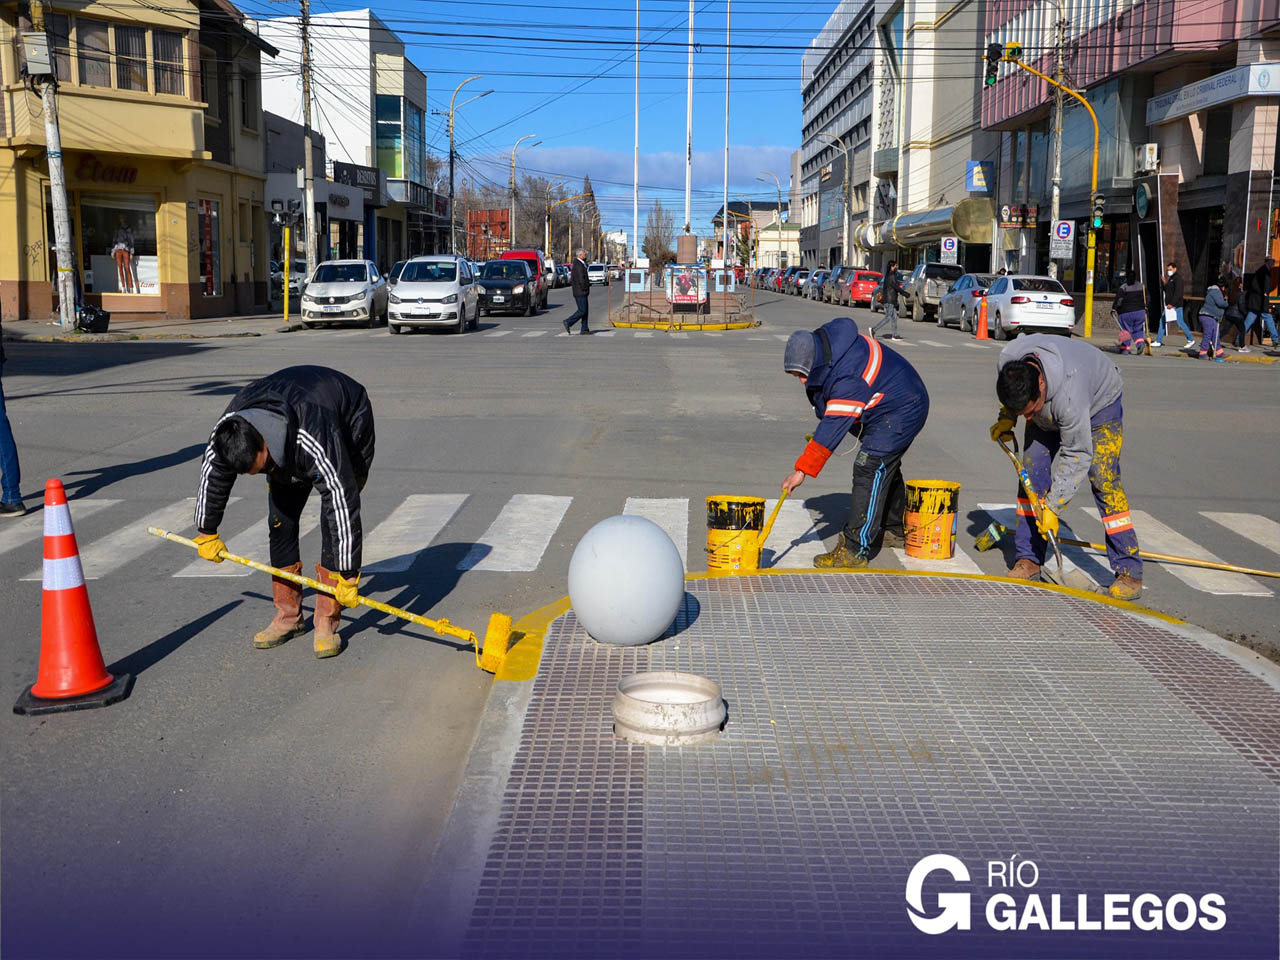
{"x": 580, "y": 287}
{"x": 1211, "y": 313}
{"x": 1258, "y": 304}
{"x": 10, "y": 472}
{"x": 1131, "y": 309}
{"x": 890, "y": 288}
{"x": 1069, "y": 391}
{"x": 853, "y": 381}
{"x": 305, "y": 428}
{"x": 1173, "y": 307}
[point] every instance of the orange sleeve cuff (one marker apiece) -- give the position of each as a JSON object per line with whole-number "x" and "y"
{"x": 813, "y": 459}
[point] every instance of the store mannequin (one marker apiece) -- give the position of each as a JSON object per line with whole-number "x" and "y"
{"x": 123, "y": 249}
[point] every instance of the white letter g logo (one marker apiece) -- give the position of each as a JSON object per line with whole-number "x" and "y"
{"x": 954, "y": 906}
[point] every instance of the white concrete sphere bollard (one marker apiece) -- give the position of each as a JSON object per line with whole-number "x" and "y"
{"x": 626, "y": 581}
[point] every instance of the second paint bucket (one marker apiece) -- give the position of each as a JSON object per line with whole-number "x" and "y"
{"x": 733, "y": 532}
{"x": 930, "y": 518}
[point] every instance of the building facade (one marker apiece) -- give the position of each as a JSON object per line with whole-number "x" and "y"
{"x": 161, "y": 124}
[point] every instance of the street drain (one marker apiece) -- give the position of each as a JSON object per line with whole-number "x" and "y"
{"x": 668, "y": 709}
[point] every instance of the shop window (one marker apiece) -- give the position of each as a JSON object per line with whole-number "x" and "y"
{"x": 94, "y": 52}
{"x": 118, "y": 243}
{"x": 210, "y": 240}
{"x": 131, "y": 58}
{"x": 166, "y": 48}
{"x": 59, "y": 25}
{"x": 249, "y": 98}
{"x": 390, "y": 154}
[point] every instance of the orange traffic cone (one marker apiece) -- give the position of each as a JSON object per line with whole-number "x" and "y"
{"x": 981, "y": 332}
{"x": 71, "y": 675}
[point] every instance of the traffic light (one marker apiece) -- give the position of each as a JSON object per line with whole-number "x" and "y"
{"x": 994, "y": 53}
{"x": 1099, "y": 208}
{"x": 1013, "y": 51}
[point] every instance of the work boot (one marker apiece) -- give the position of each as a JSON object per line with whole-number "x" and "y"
{"x": 327, "y": 642}
{"x": 1126, "y": 587}
{"x": 892, "y": 539}
{"x": 288, "y": 622}
{"x": 841, "y": 556}
{"x": 1025, "y": 569}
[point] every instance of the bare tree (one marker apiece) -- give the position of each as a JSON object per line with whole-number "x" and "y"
{"x": 659, "y": 234}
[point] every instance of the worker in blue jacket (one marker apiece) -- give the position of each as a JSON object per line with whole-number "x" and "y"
{"x": 854, "y": 381}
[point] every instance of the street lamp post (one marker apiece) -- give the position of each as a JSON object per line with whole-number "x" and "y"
{"x": 551, "y": 185}
{"x": 453, "y": 220}
{"x": 844, "y": 254}
{"x": 778, "y": 184}
{"x": 511, "y": 214}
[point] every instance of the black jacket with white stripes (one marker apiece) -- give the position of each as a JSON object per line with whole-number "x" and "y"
{"x": 328, "y": 443}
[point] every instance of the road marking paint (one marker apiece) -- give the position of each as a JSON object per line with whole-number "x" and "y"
{"x": 23, "y": 530}
{"x": 563, "y": 333}
{"x": 500, "y": 333}
{"x": 782, "y": 336}
{"x": 607, "y": 333}
{"x": 397, "y": 541}
{"x": 794, "y": 538}
{"x": 711, "y": 333}
{"x": 758, "y": 338}
{"x": 348, "y": 333}
{"x": 671, "y": 514}
{"x": 1156, "y": 536}
{"x": 518, "y": 537}
{"x": 535, "y": 333}
{"x": 130, "y": 542}
{"x": 935, "y": 343}
{"x": 960, "y": 563}
{"x": 1252, "y": 526}
{"x": 643, "y": 333}
{"x": 974, "y": 346}
{"x": 679, "y": 336}
{"x": 1073, "y": 558}
{"x": 253, "y": 543}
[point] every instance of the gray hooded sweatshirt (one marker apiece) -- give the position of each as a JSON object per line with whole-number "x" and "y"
{"x": 1080, "y": 381}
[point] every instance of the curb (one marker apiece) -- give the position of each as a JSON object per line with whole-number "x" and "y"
{"x": 123, "y": 337}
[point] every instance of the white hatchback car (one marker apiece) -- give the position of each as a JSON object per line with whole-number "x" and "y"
{"x": 439, "y": 291}
{"x": 597, "y": 273}
{"x": 345, "y": 290}
{"x": 1026, "y": 302}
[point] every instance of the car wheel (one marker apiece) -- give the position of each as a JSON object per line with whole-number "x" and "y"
{"x": 942, "y": 322}
{"x": 475, "y": 319}
{"x": 394, "y": 328}
{"x": 1000, "y": 332}
{"x": 461, "y": 326}
{"x": 308, "y": 324}
{"x": 917, "y": 311}
{"x": 964, "y": 322}
{"x": 530, "y": 307}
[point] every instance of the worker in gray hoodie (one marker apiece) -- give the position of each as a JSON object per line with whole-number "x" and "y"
{"x": 1069, "y": 393}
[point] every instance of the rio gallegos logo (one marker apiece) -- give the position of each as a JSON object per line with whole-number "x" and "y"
{"x": 1016, "y": 906}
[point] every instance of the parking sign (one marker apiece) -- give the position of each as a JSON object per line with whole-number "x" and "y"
{"x": 950, "y": 249}
{"x": 1062, "y": 240}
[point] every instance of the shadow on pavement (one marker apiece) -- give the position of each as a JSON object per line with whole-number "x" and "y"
{"x": 431, "y": 577}
{"x": 85, "y": 483}
{"x": 148, "y": 656}
{"x": 37, "y": 358}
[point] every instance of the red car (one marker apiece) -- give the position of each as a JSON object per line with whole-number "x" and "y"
{"x": 861, "y": 287}
{"x": 534, "y": 259}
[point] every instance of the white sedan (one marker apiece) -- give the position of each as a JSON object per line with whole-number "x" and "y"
{"x": 1026, "y": 302}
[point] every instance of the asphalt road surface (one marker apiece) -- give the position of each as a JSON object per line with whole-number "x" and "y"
{"x": 266, "y": 803}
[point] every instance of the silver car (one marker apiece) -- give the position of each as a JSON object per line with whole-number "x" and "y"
{"x": 926, "y": 286}
{"x": 345, "y": 291}
{"x": 439, "y": 291}
{"x": 959, "y": 305}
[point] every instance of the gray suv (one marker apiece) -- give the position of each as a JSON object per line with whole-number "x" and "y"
{"x": 927, "y": 285}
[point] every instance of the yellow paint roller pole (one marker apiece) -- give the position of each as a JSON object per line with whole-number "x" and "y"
{"x": 489, "y": 657}
{"x": 764, "y": 534}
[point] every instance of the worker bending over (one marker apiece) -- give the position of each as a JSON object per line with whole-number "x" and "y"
{"x": 1069, "y": 392}
{"x": 853, "y": 380}
{"x": 305, "y": 428}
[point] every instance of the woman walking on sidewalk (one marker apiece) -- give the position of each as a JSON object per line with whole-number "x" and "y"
{"x": 1131, "y": 308}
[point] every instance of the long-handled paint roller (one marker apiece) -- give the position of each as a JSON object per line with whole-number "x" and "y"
{"x": 489, "y": 655}
{"x": 764, "y": 534}
{"x": 1024, "y": 478}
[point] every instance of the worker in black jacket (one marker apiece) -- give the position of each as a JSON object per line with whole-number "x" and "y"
{"x": 306, "y": 428}
{"x": 580, "y": 287}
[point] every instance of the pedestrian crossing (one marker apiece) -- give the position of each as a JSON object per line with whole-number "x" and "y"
{"x": 521, "y": 529}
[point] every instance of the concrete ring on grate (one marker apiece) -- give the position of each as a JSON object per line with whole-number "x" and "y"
{"x": 666, "y": 708}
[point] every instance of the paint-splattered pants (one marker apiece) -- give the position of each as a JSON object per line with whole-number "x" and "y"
{"x": 1135, "y": 323}
{"x": 1040, "y": 447}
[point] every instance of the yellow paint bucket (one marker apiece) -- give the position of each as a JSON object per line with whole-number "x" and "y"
{"x": 930, "y": 518}
{"x": 733, "y": 532}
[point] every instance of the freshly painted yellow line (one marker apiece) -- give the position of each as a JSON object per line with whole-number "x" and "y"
{"x": 682, "y": 327}
{"x": 530, "y": 630}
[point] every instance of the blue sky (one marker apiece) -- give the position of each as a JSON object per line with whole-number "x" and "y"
{"x": 566, "y": 73}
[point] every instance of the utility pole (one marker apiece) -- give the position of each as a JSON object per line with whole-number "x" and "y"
{"x": 847, "y": 174}
{"x": 635, "y": 163}
{"x": 724, "y": 220}
{"x": 1060, "y": 38}
{"x": 453, "y": 220}
{"x": 308, "y": 169}
{"x": 778, "y": 183}
{"x": 688, "y": 135}
{"x": 65, "y": 282}
{"x": 511, "y": 221}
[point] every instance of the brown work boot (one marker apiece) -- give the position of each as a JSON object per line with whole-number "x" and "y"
{"x": 1126, "y": 587}
{"x": 288, "y": 622}
{"x": 1025, "y": 569}
{"x": 892, "y": 539}
{"x": 841, "y": 556}
{"x": 328, "y": 615}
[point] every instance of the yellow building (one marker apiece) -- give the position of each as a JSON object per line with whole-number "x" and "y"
{"x": 160, "y": 113}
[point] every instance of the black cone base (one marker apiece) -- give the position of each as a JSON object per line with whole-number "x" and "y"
{"x": 30, "y": 705}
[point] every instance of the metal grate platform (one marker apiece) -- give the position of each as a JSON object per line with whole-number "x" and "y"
{"x": 873, "y": 720}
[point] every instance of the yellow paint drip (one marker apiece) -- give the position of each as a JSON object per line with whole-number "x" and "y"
{"x": 930, "y": 518}
{"x": 733, "y": 533}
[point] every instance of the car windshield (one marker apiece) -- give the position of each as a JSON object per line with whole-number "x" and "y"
{"x": 943, "y": 271}
{"x": 429, "y": 271}
{"x": 596, "y": 268}
{"x": 504, "y": 270}
{"x": 341, "y": 273}
{"x": 1038, "y": 285}
{"x": 531, "y": 264}
{"x": 395, "y": 271}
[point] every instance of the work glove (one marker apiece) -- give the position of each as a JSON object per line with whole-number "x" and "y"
{"x": 1003, "y": 427}
{"x": 1048, "y": 523}
{"x": 346, "y": 591}
{"x": 209, "y": 545}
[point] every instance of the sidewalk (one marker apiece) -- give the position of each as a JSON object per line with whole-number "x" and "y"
{"x": 874, "y": 720}
{"x": 196, "y": 329}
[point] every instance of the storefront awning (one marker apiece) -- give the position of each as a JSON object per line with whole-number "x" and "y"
{"x": 970, "y": 220}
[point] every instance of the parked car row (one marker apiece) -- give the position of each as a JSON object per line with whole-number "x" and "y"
{"x": 840, "y": 284}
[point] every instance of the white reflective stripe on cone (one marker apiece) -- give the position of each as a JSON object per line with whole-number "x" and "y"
{"x": 63, "y": 574}
{"x": 57, "y": 520}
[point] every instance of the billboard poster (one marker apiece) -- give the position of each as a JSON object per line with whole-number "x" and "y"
{"x": 686, "y": 284}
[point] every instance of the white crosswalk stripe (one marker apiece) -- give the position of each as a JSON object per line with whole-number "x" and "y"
{"x": 961, "y": 562}
{"x": 975, "y": 346}
{"x": 607, "y": 333}
{"x": 22, "y": 530}
{"x": 640, "y": 334}
{"x": 253, "y": 543}
{"x": 516, "y": 540}
{"x": 671, "y": 514}
{"x": 396, "y": 542}
{"x": 500, "y": 333}
{"x": 935, "y": 343}
{"x": 793, "y": 541}
{"x": 782, "y": 336}
{"x": 535, "y": 333}
{"x": 1252, "y": 526}
{"x": 1073, "y": 558}
{"x": 1156, "y": 536}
